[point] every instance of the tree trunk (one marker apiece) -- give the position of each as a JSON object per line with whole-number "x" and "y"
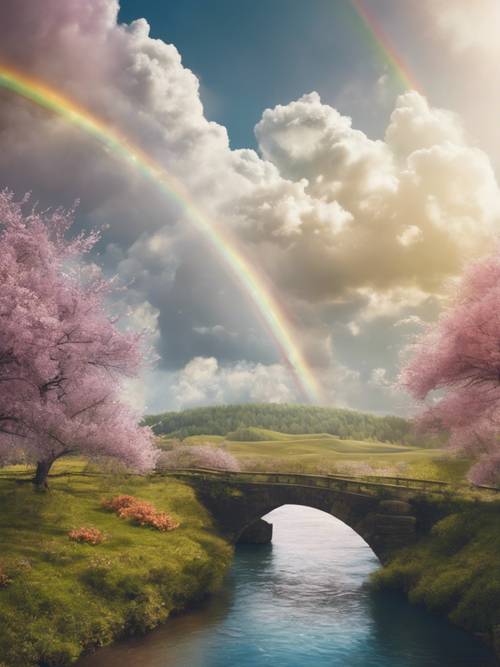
{"x": 42, "y": 471}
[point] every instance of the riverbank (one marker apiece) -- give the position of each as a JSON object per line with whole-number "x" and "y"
{"x": 302, "y": 602}
{"x": 454, "y": 571}
{"x": 59, "y": 598}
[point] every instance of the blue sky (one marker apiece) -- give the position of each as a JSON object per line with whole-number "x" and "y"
{"x": 250, "y": 55}
{"x": 356, "y": 231}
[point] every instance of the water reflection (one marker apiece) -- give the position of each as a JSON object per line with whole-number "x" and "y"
{"x": 302, "y": 602}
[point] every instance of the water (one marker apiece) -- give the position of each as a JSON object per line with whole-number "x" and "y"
{"x": 301, "y": 602}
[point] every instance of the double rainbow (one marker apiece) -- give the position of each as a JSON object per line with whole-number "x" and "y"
{"x": 44, "y": 96}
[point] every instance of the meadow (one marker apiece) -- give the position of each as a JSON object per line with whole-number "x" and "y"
{"x": 325, "y": 453}
{"x": 59, "y": 598}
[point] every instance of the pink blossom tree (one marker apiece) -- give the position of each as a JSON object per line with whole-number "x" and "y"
{"x": 198, "y": 456}
{"x": 460, "y": 356}
{"x": 62, "y": 358}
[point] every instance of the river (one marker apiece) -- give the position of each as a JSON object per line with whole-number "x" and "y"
{"x": 301, "y": 602}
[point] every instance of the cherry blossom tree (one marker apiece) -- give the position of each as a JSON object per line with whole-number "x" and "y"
{"x": 62, "y": 358}
{"x": 460, "y": 356}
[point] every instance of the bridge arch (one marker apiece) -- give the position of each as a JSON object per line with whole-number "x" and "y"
{"x": 383, "y": 515}
{"x": 255, "y": 528}
{"x": 293, "y": 523}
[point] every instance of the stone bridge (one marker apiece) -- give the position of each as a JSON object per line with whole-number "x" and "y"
{"x": 388, "y": 513}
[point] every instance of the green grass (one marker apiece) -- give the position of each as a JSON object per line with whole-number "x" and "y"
{"x": 63, "y": 597}
{"x": 324, "y": 453}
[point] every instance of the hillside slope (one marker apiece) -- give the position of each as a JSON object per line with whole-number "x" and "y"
{"x": 287, "y": 419}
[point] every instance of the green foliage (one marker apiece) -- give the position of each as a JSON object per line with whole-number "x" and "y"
{"x": 456, "y": 569}
{"x": 453, "y": 533}
{"x": 291, "y": 419}
{"x": 64, "y": 597}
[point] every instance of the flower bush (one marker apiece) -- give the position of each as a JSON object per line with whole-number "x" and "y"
{"x": 118, "y": 502}
{"x": 197, "y": 456}
{"x": 141, "y": 512}
{"x": 86, "y": 534}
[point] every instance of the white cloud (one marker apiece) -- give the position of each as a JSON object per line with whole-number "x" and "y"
{"x": 354, "y": 328}
{"x": 410, "y": 320}
{"x": 217, "y": 330}
{"x": 409, "y": 235}
{"x": 379, "y": 378}
{"x": 203, "y": 381}
{"x": 470, "y": 27}
{"x": 415, "y": 125}
{"x": 326, "y": 215}
{"x": 412, "y": 208}
{"x": 390, "y": 302}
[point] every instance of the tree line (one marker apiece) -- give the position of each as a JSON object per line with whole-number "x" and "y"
{"x": 285, "y": 418}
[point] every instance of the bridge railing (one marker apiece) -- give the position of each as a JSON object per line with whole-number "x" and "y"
{"x": 318, "y": 481}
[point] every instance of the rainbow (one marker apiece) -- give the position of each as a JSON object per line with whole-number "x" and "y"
{"x": 384, "y": 47}
{"x": 280, "y": 330}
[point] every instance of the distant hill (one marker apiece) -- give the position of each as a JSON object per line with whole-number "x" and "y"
{"x": 241, "y": 420}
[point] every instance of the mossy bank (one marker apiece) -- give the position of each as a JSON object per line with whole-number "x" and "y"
{"x": 59, "y": 599}
{"x": 454, "y": 570}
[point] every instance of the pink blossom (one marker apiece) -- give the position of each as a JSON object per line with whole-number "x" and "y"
{"x": 460, "y": 356}
{"x": 198, "y": 456}
{"x": 62, "y": 358}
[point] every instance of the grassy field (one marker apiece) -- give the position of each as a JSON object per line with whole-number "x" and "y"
{"x": 317, "y": 453}
{"x": 58, "y": 597}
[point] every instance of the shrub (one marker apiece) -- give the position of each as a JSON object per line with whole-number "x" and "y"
{"x": 145, "y": 514}
{"x": 146, "y": 611}
{"x": 118, "y": 503}
{"x": 198, "y": 456}
{"x": 86, "y": 534}
{"x": 141, "y": 512}
{"x": 397, "y": 575}
{"x": 442, "y": 590}
{"x": 453, "y": 533}
{"x": 479, "y": 608}
{"x": 454, "y": 569}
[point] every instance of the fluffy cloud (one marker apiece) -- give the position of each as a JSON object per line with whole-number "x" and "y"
{"x": 203, "y": 382}
{"x": 369, "y": 215}
{"x": 345, "y": 229}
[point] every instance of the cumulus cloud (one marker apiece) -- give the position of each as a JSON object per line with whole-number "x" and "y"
{"x": 345, "y": 230}
{"x": 415, "y": 125}
{"x": 411, "y": 208}
{"x": 203, "y": 381}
